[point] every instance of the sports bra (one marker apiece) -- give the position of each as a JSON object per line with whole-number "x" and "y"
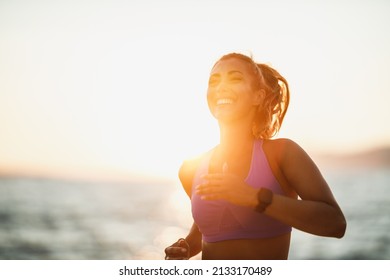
{"x": 220, "y": 220}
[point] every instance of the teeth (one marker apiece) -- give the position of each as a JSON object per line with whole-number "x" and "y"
{"x": 224, "y": 101}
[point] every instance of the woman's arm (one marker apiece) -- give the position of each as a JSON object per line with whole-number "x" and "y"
{"x": 193, "y": 240}
{"x": 317, "y": 211}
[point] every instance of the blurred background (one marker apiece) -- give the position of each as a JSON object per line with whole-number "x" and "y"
{"x": 101, "y": 101}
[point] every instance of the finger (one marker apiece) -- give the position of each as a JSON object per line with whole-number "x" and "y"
{"x": 183, "y": 244}
{"x": 208, "y": 186}
{"x": 176, "y": 252}
{"x": 212, "y": 197}
{"x": 203, "y": 194}
{"x": 208, "y": 190}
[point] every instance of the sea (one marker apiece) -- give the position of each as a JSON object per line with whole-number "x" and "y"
{"x": 60, "y": 219}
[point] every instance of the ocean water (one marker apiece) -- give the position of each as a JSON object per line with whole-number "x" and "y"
{"x": 67, "y": 220}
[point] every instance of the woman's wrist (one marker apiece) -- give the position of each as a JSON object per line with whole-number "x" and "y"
{"x": 264, "y": 199}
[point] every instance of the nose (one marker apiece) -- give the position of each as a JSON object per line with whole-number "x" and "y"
{"x": 221, "y": 88}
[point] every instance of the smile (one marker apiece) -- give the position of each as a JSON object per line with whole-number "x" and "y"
{"x": 224, "y": 101}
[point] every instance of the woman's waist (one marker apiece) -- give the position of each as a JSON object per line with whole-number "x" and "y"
{"x": 261, "y": 248}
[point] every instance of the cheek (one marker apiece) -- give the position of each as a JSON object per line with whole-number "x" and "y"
{"x": 211, "y": 103}
{"x": 210, "y": 97}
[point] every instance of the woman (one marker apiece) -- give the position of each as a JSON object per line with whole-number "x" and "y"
{"x": 244, "y": 192}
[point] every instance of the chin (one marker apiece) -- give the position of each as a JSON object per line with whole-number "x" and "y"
{"x": 225, "y": 119}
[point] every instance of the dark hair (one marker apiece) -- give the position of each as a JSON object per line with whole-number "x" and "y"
{"x": 271, "y": 112}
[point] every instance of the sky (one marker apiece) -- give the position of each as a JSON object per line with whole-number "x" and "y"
{"x": 119, "y": 87}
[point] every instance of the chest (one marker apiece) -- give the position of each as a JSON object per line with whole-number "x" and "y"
{"x": 239, "y": 164}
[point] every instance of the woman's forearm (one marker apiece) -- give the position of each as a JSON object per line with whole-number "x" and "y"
{"x": 194, "y": 240}
{"x": 314, "y": 217}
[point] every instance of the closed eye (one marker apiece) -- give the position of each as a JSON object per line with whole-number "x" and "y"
{"x": 213, "y": 80}
{"x": 235, "y": 76}
{"x": 236, "y": 79}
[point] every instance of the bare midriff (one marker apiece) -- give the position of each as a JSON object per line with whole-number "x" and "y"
{"x": 275, "y": 248}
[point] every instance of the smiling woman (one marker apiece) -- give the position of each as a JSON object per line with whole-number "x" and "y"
{"x": 249, "y": 191}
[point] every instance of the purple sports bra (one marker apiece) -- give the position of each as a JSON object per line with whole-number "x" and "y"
{"x": 220, "y": 220}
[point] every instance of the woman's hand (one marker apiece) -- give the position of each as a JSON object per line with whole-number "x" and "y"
{"x": 229, "y": 187}
{"x": 180, "y": 250}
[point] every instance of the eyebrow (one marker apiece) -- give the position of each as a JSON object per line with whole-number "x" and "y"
{"x": 234, "y": 72}
{"x": 230, "y": 73}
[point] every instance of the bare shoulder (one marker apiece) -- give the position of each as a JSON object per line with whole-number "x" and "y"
{"x": 300, "y": 170}
{"x": 290, "y": 158}
{"x": 187, "y": 172}
{"x": 278, "y": 152}
{"x": 284, "y": 150}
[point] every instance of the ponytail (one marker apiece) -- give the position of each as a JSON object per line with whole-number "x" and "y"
{"x": 271, "y": 112}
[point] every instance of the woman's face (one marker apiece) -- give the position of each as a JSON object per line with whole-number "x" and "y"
{"x": 230, "y": 93}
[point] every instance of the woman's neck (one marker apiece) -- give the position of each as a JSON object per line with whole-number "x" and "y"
{"x": 235, "y": 139}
